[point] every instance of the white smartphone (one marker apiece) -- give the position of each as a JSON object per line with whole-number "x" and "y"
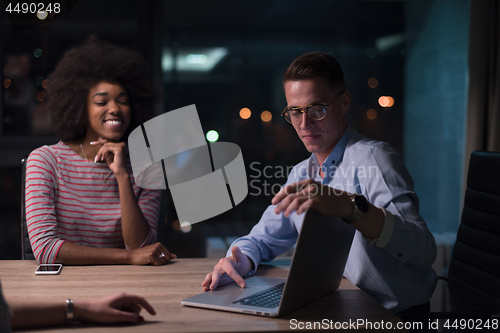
{"x": 48, "y": 269}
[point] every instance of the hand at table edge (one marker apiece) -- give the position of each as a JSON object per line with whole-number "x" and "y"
{"x": 116, "y": 308}
{"x": 33, "y": 313}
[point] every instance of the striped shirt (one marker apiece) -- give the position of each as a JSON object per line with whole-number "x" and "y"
{"x": 70, "y": 198}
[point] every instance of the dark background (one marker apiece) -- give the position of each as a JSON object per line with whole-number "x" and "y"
{"x": 261, "y": 39}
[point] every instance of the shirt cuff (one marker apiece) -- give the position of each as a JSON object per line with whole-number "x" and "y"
{"x": 385, "y": 233}
{"x": 249, "y": 255}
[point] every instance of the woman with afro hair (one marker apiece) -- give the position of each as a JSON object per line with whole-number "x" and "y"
{"x": 82, "y": 204}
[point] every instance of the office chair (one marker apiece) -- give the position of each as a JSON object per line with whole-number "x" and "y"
{"x": 474, "y": 270}
{"x": 27, "y": 253}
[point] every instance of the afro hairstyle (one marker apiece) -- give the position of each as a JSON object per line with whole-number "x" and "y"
{"x": 86, "y": 65}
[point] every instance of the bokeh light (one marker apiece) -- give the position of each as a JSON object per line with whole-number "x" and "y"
{"x": 372, "y": 82}
{"x": 371, "y": 53}
{"x": 386, "y": 101}
{"x": 383, "y": 101}
{"x": 371, "y": 114}
{"x": 212, "y": 136}
{"x": 40, "y": 96}
{"x": 245, "y": 113}
{"x": 42, "y": 15}
{"x": 44, "y": 83}
{"x": 176, "y": 225}
{"x": 266, "y": 116}
{"x": 7, "y": 83}
{"x": 38, "y": 53}
{"x": 185, "y": 227}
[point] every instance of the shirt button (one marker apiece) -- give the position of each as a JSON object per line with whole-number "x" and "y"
{"x": 333, "y": 161}
{"x": 400, "y": 254}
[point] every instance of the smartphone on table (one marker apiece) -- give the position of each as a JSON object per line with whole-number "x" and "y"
{"x": 48, "y": 269}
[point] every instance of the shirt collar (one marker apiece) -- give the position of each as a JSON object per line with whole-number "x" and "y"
{"x": 333, "y": 158}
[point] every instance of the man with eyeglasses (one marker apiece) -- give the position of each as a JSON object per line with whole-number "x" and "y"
{"x": 361, "y": 180}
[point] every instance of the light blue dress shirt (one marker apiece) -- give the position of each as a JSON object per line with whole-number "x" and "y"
{"x": 399, "y": 275}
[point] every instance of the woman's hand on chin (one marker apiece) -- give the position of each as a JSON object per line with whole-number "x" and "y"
{"x": 113, "y": 153}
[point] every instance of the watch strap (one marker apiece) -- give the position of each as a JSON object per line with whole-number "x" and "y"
{"x": 386, "y": 232}
{"x": 356, "y": 213}
{"x": 70, "y": 311}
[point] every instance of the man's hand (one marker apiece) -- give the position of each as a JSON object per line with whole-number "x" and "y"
{"x": 113, "y": 309}
{"x": 151, "y": 254}
{"x": 229, "y": 269}
{"x": 306, "y": 194}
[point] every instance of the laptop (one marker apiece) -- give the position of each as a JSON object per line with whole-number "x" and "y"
{"x": 316, "y": 270}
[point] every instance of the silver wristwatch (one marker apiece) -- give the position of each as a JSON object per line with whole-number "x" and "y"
{"x": 360, "y": 208}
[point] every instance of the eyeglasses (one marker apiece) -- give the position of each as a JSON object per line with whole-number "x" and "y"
{"x": 315, "y": 111}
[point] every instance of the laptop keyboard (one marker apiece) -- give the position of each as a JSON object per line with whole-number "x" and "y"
{"x": 269, "y": 298}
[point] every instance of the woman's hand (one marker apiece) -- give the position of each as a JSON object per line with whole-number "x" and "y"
{"x": 113, "y": 309}
{"x": 113, "y": 153}
{"x": 154, "y": 254}
{"x": 28, "y": 313}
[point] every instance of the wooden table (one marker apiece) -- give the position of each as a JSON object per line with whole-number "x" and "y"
{"x": 165, "y": 286}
